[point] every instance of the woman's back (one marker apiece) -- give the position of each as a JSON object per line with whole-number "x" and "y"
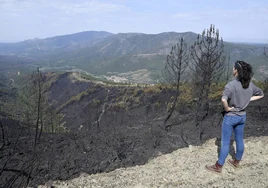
{"x": 238, "y": 97}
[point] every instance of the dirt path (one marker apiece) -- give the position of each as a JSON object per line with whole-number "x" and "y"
{"x": 184, "y": 168}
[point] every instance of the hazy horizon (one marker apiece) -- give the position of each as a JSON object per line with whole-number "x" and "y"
{"x": 238, "y": 21}
{"x": 234, "y": 40}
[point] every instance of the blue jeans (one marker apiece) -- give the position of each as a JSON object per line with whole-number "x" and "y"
{"x": 230, "y": 123}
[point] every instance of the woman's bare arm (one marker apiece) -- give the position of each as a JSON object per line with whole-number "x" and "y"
{"x": 254, "y": 98}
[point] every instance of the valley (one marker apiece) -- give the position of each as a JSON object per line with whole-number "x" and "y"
{"x": 98, "y": 103}
{"x": 127, "y": 55}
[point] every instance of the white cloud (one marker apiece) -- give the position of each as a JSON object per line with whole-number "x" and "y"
{"x": 225, "y": 15}
{"x": 92, "y": 6}
{"x": 87, "y": 7}
{"x": 181, "y": 15}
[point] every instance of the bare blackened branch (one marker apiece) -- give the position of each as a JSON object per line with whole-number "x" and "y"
{"x": 176, "y": 64}
{"x": 38, "y": 106}
{"x": 21, "y": 172}
{"x": 3, "y": 135}
{"x": 208, "y": 66}
{"x": 266, "y": 51}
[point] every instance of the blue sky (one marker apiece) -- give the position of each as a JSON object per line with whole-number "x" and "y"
{"x": 237, "y": 20}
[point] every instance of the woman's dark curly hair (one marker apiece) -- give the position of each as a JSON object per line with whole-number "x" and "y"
{"x": 244, "y": 73}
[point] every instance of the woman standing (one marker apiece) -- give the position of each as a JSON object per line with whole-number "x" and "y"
{"x": 236, "y": 97}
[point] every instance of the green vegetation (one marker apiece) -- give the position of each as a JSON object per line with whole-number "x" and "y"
{"x": 96, "y": 102}
{"x": 78, "y": 97}
{"x": 115, "y": 53}
{"x": 89, "y": 77}
{"x": 29, "y": 103}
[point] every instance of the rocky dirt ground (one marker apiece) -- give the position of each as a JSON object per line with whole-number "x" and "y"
{"x": 184, "y": 168}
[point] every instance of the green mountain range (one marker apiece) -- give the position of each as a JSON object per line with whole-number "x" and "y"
{"x": 102, "y": 53}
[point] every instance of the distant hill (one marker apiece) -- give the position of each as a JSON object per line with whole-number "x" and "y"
{"x": 102, "y": 52}
{"x": 124, "y": 52}
{"x": 250, "y": 43}
{"x": 31, "y": 46}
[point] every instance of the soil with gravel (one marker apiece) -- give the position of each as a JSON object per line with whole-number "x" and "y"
{"x": 184, "y": 168}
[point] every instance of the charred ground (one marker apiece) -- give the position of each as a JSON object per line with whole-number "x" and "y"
{"x": 108, "y": 127}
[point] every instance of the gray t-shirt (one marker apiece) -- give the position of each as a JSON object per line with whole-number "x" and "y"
{"x": 238, "y": 97}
